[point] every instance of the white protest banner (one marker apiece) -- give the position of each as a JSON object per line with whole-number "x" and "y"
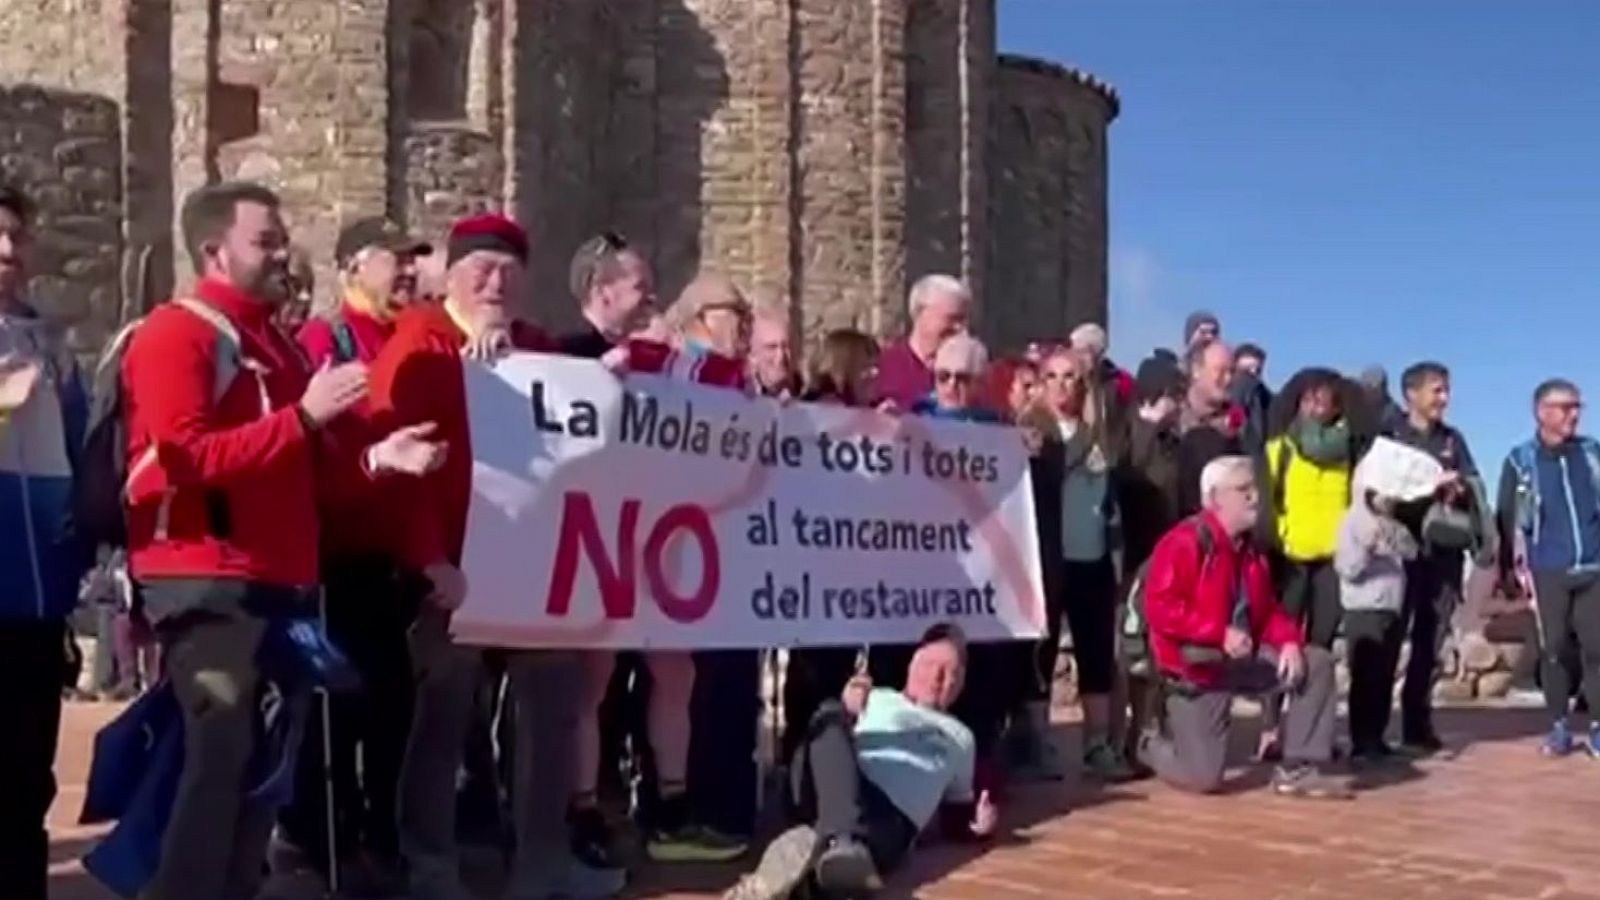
{"x": 649, "y": 512}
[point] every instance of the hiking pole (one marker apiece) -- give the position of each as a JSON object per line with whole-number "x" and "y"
{"x": 330, "y": 813}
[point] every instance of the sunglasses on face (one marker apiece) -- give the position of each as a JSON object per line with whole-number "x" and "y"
{"x": 959, "y": 379}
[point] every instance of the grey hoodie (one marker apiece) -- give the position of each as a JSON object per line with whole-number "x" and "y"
{"x": 1370, "y": 555}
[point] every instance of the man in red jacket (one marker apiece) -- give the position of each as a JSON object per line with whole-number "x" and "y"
{"x": 225, "y": 425}
{"x": 418, "y": 378}
{"x": 1217, "y": 630}
{"x": 368, "y": 605}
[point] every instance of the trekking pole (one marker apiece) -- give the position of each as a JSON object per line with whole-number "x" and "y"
{"x": 327, "y": 759}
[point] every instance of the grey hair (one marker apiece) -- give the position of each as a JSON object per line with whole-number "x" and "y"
{"x": 974, "y": 356}
{"x": 929, "y": 285}
{"x": 1220, "y": 469}
{"x": 1088, "y": 336}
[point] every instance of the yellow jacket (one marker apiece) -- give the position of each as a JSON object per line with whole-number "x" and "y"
{"x": 1309, "y": 501}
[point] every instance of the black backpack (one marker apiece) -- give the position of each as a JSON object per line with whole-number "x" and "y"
{"x": 101, "y": 480}
{"x": 1133, "y": 636}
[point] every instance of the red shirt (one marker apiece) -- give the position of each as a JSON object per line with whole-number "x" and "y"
{"x": 368, "y": 332}
{"x": 351, "y": 502}
{"x": 231, "y": 492}
{"x": 1189, "y": 597}
{"x": 417, "y": 378}
{"x": 902, "y": 375}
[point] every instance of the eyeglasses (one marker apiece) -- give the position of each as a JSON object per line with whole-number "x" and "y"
{"x": 959, "y": 379}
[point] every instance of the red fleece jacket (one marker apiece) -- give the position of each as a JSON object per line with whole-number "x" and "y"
{"x": 233, "y": 483}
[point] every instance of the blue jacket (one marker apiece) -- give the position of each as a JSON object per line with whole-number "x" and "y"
{"x": 1552, "y": 496}
{"x": 138, "y": 757}
{"x": 41, "y": 561}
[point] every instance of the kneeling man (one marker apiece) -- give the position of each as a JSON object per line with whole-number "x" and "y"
{"x": 1216, "y": 631}
{"x": 875, "y": 768}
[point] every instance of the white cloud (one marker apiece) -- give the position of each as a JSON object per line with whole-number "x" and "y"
{"x": 1139, "y": 320}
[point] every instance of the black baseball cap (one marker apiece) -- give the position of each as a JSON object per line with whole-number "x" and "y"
{"x": 376, "y": 231}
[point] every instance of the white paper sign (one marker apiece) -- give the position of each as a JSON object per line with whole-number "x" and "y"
{"x": 658, "y": 513}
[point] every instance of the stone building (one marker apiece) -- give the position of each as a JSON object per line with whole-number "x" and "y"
{"x": 829, "y": 150}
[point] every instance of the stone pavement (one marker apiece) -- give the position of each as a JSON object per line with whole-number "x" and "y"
{"x": 1492, "y": 820}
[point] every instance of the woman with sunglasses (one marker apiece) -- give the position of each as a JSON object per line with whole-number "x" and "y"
{"x": 1073, "y": 502}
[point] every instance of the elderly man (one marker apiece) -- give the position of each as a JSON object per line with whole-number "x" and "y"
{"x": 875, "y": 769}
{"x": 418, "y": 377}
{"x": 1210, "y": 424}
{"x": 1217, "y": 630}
{"x": 771, "y": 352}
{"x": 367, "y": 612}
{"x": 1550, "y": 496}
{"x": 939, "y": 306}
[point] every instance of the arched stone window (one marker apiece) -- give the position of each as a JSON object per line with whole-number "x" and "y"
{"x": 440, "y": 58}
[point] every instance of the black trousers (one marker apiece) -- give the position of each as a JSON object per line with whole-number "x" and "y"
{"x": 369, "y": 608}
{"x": 831, "y": 794}
{"x": 33, "y": 670}
{"x": 1310, "y": 591}
{"x": 1433, "y": 591}
{"x": 815, "y": 676}
{"x": 724, "y": 713}
{"x": 1569, "y": 626}
{"x": 1372, "y": 651}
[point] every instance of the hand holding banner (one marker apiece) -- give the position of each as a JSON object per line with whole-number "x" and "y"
{"x": 649, "y": 512}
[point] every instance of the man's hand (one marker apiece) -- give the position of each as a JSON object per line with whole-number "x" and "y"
{"x": 488, "y": 345}
{"x": 1237, "y": 644}
{"x": 1291, "y": 665}
{"x": 888, "y": 407}
{"x": 616, "y": 361}
{"x": 855, "y": 694}
{"x": 333, "y": 391}
{"x": 407, "y": 451}
{"x": 448, "y": 586}
{"x": 985, "y": 815}
{"x": 18, "y": 375}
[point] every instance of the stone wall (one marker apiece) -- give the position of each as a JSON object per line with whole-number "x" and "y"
{"x": 1048, "y": 214}
{"x": 452, "y": 171}
{"x": 950, "y": 71}
{"x": 65, "y": 149}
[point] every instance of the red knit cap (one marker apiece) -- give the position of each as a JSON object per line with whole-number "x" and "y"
{"x": 489, "y": 231}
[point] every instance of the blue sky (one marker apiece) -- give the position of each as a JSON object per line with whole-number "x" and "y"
{"x": 1352, "y": 181}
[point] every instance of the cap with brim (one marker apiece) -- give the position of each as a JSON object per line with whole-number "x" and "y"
{"x": 379, "y": 232}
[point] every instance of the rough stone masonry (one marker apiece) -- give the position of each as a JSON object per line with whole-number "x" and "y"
{"x": 828, "y": 151}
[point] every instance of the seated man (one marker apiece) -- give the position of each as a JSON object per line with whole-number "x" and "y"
{"x": 1217, "y": 630}
{"x": 875, "y": 768}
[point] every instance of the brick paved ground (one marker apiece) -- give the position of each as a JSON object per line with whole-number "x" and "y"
{"x": 1491, "y": 821}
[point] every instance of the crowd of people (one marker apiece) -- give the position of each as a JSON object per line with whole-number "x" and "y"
{"x": 266, "y": 465}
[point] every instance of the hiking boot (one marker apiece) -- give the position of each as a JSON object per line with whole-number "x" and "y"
{"x": 783, "y": 867}
{"x": 1101, "y": 761}
{"x": 1592, "y": 745}
{"x": 1304, "y": 781}
{"x": 845, "y": 869}
{"x": 1558, "y": 742}
{"x": 566, "y": 877}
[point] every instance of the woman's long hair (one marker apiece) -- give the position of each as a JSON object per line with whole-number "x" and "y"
{"x": 844, "y": 358}
{"x": 1002, "y": 376}
{"x": 1355, "y": 405}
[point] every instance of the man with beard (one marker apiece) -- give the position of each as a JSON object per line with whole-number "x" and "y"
{"x": 226, "y": 428}
{"x": 1210, "y": 424}
{"x": 368, "y": 606}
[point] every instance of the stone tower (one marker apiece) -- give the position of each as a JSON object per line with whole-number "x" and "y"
{"x": 827, "y": 150}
